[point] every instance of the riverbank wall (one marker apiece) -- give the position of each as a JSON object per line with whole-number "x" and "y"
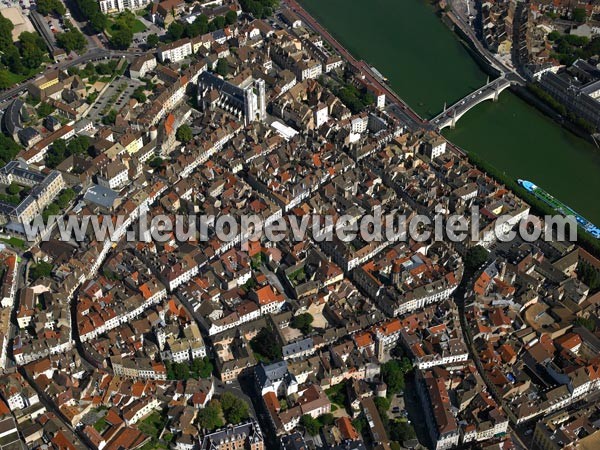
{"x": 521, "y": 91}
{"x": 471, "y": 46}
{"x": 585, "y": 240}
{"x": 525, "y": 94}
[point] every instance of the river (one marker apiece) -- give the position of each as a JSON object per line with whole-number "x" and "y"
{"x": 427, "y": 66}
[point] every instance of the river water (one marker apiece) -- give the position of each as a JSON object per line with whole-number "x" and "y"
{"x": 427, "y": 66}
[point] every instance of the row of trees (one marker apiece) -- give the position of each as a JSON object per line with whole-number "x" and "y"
{"x": 569, "y": 47}
{"x": 538, "y": 207}
{"x": 201, "y": 25}
{"x": 94, "y": 72}
{"x": 45, "y": 7}
{"x": 398, "y": 430}
{"x": 259, "y": 8}
{"x": 560, "y": 108}
{"x": 200, "y": 368}
{"x": 61, "y": 202}
{"x": 393, "y": 373}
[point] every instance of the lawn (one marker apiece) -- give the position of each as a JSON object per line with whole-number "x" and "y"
{"x": 100, "y": 425}
{"x": 154, "y": 445}
{"x": 135, "y": 25}
{"x": 337, "y": 394}
{"x": 138, "y": 27}
{"x": 152, "y": 425}
{"x": 15, "y": 242}
{"x": 125, "y": 19}
{"x": 16, "y": 78}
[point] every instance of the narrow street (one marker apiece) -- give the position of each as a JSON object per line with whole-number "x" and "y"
{"x": 459, "y": 297}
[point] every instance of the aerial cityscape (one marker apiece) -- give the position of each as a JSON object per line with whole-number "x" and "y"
{"x": 299, "y": 224}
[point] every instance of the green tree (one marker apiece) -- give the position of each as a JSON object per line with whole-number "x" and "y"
{"x": 71, "y": 40}
{"x": 553, "y": 35}
{"x": 326, "y": 419}
{"x": 401, "y": 431}
{"x": 175, "y": 31}
{"x": 139, "y": 95}
{"x": 356, "y": 100}
{"x": 12, "y": 59}
{"x": 156, "y": 162}
{"x": 40, "y": 270}
{"x": 13, "y": 188}
{"x": 259, "y": 8}
{"x": 589, "y": 275}
{"x": 222, "y": 67}
{"x": 79, "y": 145}
{"x": 181, "y": 371}
{"x": 210, "y": 417}
{"x": 202, "y": 367}
{"x": 90, "y": 9}
{"x": 184, "y": 134}
{"x": 65, "y": 198}
{"x": 360, "y": 423}
{"x": 32, "y": 49}
{"x": 110, "y": 118}
{"x": 231, "y": 17}
{"x": 51, "y": 210}
{"x": 303, "y": 322}
{"x": 586, "y": 322}
{"x": 312, "y": 426}
{"x": 265, "y": 344}
{"x": 6, "y": 28}
{"x": 5, "y": 81}
{"x": 234, "y": 408}
{"x": 219, "y": 22}
{"x": 475, "y": 258}
{"x": 152, "y": 40}
{"x": 579, "y": 15}
{"x": 202, "y": 21}
{"x": 57, "y": 153}
{"x": 393, "y": 372}
{"x": 122, "y": 38}
{"x": 45, "y": 7}
{"x": 45, "y": 109}
{"x": 383, "y": 404}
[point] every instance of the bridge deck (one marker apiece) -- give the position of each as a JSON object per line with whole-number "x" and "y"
{"x": 453, "y": 113}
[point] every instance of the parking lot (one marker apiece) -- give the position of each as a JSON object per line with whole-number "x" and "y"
{"x": 55, "y": 25}
{"x": 114, "y": 97}
{"x": 140, "y": 39}
{"x": 397, "y": 409}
